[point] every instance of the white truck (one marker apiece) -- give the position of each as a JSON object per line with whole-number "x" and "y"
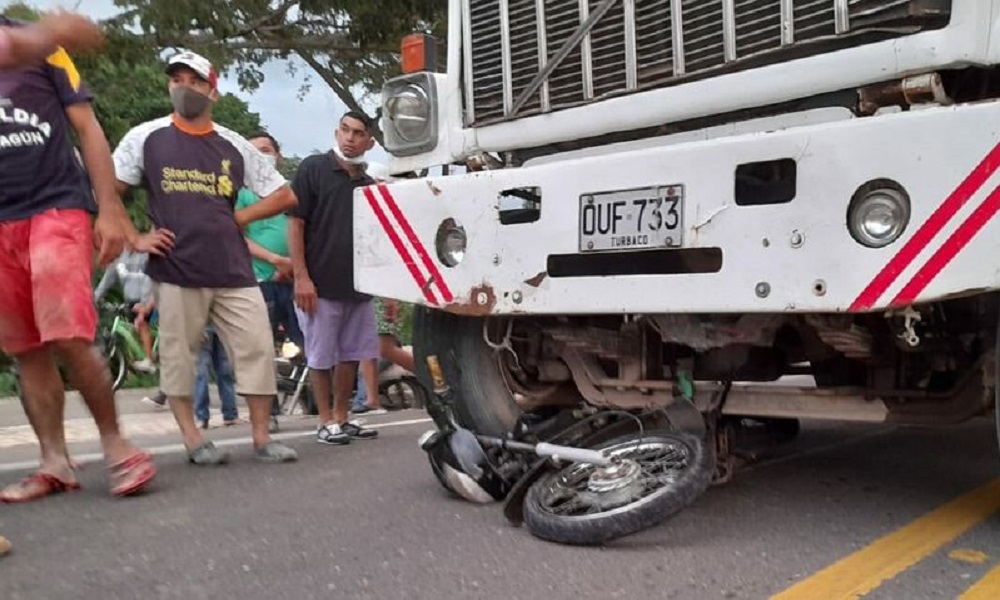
{"x": 775, "y": 209}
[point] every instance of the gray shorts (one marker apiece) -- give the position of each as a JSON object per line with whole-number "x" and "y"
{"x": 339, "y": 331}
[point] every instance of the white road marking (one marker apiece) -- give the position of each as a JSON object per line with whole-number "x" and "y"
{"x": 179, "y": 448}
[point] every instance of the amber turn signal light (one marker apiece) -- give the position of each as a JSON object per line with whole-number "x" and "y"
{"x": 418, "y": 53}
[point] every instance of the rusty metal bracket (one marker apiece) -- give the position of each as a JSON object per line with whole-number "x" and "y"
{"x": 587, "y": 372}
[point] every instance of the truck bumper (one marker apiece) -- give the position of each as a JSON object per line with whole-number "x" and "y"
{"x": 796, "y": 256}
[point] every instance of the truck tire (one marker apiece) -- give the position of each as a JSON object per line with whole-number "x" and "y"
{"x": 484, "y": 402}
{"x": 542, "y": 503}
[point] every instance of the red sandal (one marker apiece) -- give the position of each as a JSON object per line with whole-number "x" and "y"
{"x": 132, "y": 475}
{"x": 40, "y": 485}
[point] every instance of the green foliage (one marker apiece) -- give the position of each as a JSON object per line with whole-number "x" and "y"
{"x": 8, "y": 385}
{"x": 406, "y": 323}
{"x": 235, "y": 114}
{"x": 352, "y": 45}
{"x": 21, "y": 12}
{"x": 289, "y": 165}
{"x": 130, "y": 87}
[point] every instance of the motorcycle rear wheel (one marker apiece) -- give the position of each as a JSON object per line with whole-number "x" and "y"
{"x": 661, "y": 474}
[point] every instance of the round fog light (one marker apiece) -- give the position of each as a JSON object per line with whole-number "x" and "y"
{"x": 450, "y": 243}
{"x": 878, "y": 213}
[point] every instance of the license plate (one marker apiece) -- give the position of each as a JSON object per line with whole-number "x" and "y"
{"x": 638, "y": 219}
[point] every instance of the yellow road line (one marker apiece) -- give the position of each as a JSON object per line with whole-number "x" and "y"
{"x": 987, "y": 588}
{"x": 866, "y": 569}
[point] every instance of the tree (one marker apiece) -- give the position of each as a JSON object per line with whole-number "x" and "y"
{"x": 352, "y": 45}
{"x": 289, "y": 165}
{"x": 129, "y": 84}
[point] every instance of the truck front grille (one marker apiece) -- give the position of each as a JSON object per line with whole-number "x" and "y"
{"x": 644, "y": 44}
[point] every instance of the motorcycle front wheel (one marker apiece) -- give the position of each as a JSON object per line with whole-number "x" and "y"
{"x": 658, "y": 475}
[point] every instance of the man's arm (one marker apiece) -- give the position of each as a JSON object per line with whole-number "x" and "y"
{"x": 282, "y": 263}
{"x": 280, "y": 201}
{"x": 297, "y": 246}
{"x": 108, "y": 280}
{"x": 128, "y": 168}
{"x": 113, "y": 229}
{"x": 305, "y": 290}
{"x": 31, "y": 44}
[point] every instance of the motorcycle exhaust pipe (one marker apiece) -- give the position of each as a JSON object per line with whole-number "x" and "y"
{"x": 440, "y": 409}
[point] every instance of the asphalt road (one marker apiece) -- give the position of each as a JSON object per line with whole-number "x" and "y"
{"x": 846, "y": 509}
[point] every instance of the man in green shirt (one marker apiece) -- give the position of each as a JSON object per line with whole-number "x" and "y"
{"x": 268, "y": 243}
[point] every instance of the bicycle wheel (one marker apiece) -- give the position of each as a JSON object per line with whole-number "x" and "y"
{"x": 117, "y": 366}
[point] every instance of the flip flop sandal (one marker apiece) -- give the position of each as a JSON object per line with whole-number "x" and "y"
{"x": 133, "y": 474}
{"x": 44, "y": 485}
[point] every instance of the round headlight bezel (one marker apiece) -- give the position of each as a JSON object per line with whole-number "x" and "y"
{"x": 410, "y": 105}
{"x": 410, "y": 114}
{"x": 881, "y": 197}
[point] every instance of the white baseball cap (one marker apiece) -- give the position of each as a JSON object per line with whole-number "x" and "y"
{"x": 197, "y": 63}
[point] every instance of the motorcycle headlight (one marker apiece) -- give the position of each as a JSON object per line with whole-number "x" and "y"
{"x": 409, "y": 105}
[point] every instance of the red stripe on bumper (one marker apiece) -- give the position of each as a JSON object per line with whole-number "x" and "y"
{"x": 933, "y": 226}
{"x": 404, "y": 224}
{"x": 951, "y": 247}
{"x": 397, "y": 242}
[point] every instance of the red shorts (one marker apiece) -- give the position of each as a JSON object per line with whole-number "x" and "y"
{"x": 46, "y": 266}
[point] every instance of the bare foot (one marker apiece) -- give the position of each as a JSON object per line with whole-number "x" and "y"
{"x": 5, "y": 546}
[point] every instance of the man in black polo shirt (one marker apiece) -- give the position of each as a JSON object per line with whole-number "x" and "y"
{"x": 337, "y": 321}
{"x": 193, "y": 169}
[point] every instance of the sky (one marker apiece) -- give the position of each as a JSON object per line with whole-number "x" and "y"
{"x": 301, "y": 126}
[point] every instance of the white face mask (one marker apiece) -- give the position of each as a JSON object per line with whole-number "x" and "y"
{"x": 270, "y": 160}
{"x": 357, "y": 160}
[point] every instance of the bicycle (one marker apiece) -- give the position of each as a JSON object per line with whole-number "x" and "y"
{"x": 121, "y": 345}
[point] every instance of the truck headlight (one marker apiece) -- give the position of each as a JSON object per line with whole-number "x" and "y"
{"x": 409, "y": 105}
{"x": 450, "y": 243}
{"x": 878, "y": 213}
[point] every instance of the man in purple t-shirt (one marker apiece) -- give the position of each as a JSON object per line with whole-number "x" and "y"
{"x": 25, "y": 46}
{"x": 46, "y": 255}
{"x": 200, "y": 263}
